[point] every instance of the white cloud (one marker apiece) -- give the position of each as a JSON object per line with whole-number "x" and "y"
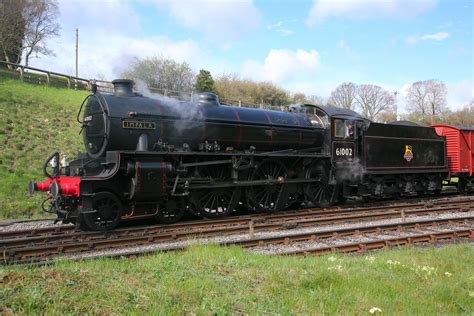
{"x": 224, "y": 20}
{"x": 281, "y": 65}
{"x": 460, "y": 93}
{"x": 440, "y": 36}
{"x": 367, "y": 9}
{"x": 278, "y": 27}
{"x": 109, "y": 37}
{"x": 344, "y": 46}
{"x": 116, "y": 16}
{"x": 97, "y": 59}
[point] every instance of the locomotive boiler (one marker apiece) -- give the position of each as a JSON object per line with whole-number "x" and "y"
{"x": 159, "y": 157}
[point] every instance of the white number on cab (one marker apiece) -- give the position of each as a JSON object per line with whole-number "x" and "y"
{"x": 343, "y": 151}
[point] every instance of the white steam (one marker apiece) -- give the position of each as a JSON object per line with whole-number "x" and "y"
{"x": 189, "y": 113}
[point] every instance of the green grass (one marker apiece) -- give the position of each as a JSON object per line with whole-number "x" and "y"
{"x": 212, "y": 280}
{"x": 34, "y": 122}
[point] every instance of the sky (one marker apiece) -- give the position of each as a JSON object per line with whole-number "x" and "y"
{"x": 308, "y": 46}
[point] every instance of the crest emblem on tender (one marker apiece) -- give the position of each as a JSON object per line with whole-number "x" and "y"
{"x": 408, "y": 153}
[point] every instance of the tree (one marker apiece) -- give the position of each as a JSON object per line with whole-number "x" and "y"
{"x": 300, "y": 97}
{"x": 344, "y": 96}
{"x": 162, "y": 73}
{"x": 204, "y": 82}
{"x": 232, "y": 89}
{"x": 12, "y": 30}
{"x": 463, "y": 117}
{"x": 372, "y": 100}
{"x": 40, "y": 22}
{"x": 427, "y": 98}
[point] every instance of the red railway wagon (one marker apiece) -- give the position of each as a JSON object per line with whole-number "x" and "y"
{"x": 460, "y": 148}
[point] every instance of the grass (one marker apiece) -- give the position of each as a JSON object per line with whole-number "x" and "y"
{"x": 212, "y": 280}
{"x": 34, "y": 122}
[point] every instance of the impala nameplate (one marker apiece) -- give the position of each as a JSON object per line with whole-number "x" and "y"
{"x": 138, "y": 125}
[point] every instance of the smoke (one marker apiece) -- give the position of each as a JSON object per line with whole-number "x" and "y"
{"x": 352, "y": 171}
{"x": 189, "y": 113}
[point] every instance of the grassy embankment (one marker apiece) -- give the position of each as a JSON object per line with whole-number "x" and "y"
{"x": 211, "y": 280}
{"x": 34, "y": 122}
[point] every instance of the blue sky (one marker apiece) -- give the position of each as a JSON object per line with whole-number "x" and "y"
{"x": 307, "y": 46}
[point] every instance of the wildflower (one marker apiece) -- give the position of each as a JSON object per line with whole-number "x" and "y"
{"x": 337, "y": 268}
{"x": 370, "y": 258}
{"x": 429, "y": 270}
{"x": 374, "y": 310}
{"x": 448, "y": 274}
{"x": 332, "y": 259}
{"x": 471, "y": 293}
{"x": 393, "y": 262}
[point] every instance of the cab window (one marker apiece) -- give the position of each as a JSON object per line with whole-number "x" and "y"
{"x": 344, "y": 129}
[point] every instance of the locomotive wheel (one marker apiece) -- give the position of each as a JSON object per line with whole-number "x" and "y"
{"x": 320, "y": 193}
{"x": 264, "y": 198}
{"x": 107, "y": 210}
{"x": 171, "y": 210}
{"x": 214, "y": 202}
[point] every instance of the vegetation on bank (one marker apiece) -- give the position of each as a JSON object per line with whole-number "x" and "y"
{"x": 34, "y": 122}
{"x": 212, "y": 280}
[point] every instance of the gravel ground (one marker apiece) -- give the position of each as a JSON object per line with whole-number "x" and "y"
{"x": 274, "y": 249}
{"x": 28, "y": 225}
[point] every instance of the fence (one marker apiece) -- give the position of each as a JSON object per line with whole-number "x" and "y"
{"x": 54, "y": 79}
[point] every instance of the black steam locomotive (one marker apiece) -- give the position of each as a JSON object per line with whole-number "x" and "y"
{"x": 160, "y": 157}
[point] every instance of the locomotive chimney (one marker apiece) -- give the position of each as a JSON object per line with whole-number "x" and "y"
{"x": 123, "y": 87}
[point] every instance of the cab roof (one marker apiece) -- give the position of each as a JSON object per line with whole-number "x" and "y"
{"x": 336, "y": 112}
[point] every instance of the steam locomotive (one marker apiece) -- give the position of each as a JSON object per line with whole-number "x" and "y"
{"x": 159, "y": 157}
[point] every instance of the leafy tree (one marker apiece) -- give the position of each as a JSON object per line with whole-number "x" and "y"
{"x": 232, "y": 89}
{"x": 204, "y": 82}
{"x": 463, "y": 117}
{"x": 161, "y": 73}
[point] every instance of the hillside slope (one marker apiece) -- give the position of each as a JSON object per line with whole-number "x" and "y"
{"x": 34, "y": 122}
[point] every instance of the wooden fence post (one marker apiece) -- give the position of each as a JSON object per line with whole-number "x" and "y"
{"x": 22, "y": 69}
{"x": 68, "y": 82}
{"x": 47, "y": 78}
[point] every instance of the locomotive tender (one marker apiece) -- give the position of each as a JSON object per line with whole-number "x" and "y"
{"x": 159, "y": 157}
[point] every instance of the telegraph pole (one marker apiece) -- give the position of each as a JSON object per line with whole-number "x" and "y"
{"x": 77, "y": 52}
{"x": 396, "y": 105}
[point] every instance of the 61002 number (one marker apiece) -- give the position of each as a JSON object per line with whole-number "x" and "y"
{"x": 343, "y": 151}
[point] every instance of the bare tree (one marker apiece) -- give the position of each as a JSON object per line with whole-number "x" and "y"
{"x": 40, "y": 22}
{"x": 344, "y": 95}
{"x": 427, "y": 98}
{"x": 162, "y": 73}
{"x": 372, "y": 100}
{"x": 12, "y": 30}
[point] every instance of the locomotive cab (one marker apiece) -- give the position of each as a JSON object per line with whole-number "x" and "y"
{"x": 344, "y": 136}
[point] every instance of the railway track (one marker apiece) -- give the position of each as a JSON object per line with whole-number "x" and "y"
{"x": 461, "y": 202}
{"x": 42, "y": 248}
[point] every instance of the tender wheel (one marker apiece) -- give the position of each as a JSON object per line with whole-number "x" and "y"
{"x": 171, "y": 210}
{"x": 462, "y": 186}
{"x": 320, "y": 193}
{"x": 264, "y": 198}
{"x": 105, "y": 214}
{"x": 214, "y": 202}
